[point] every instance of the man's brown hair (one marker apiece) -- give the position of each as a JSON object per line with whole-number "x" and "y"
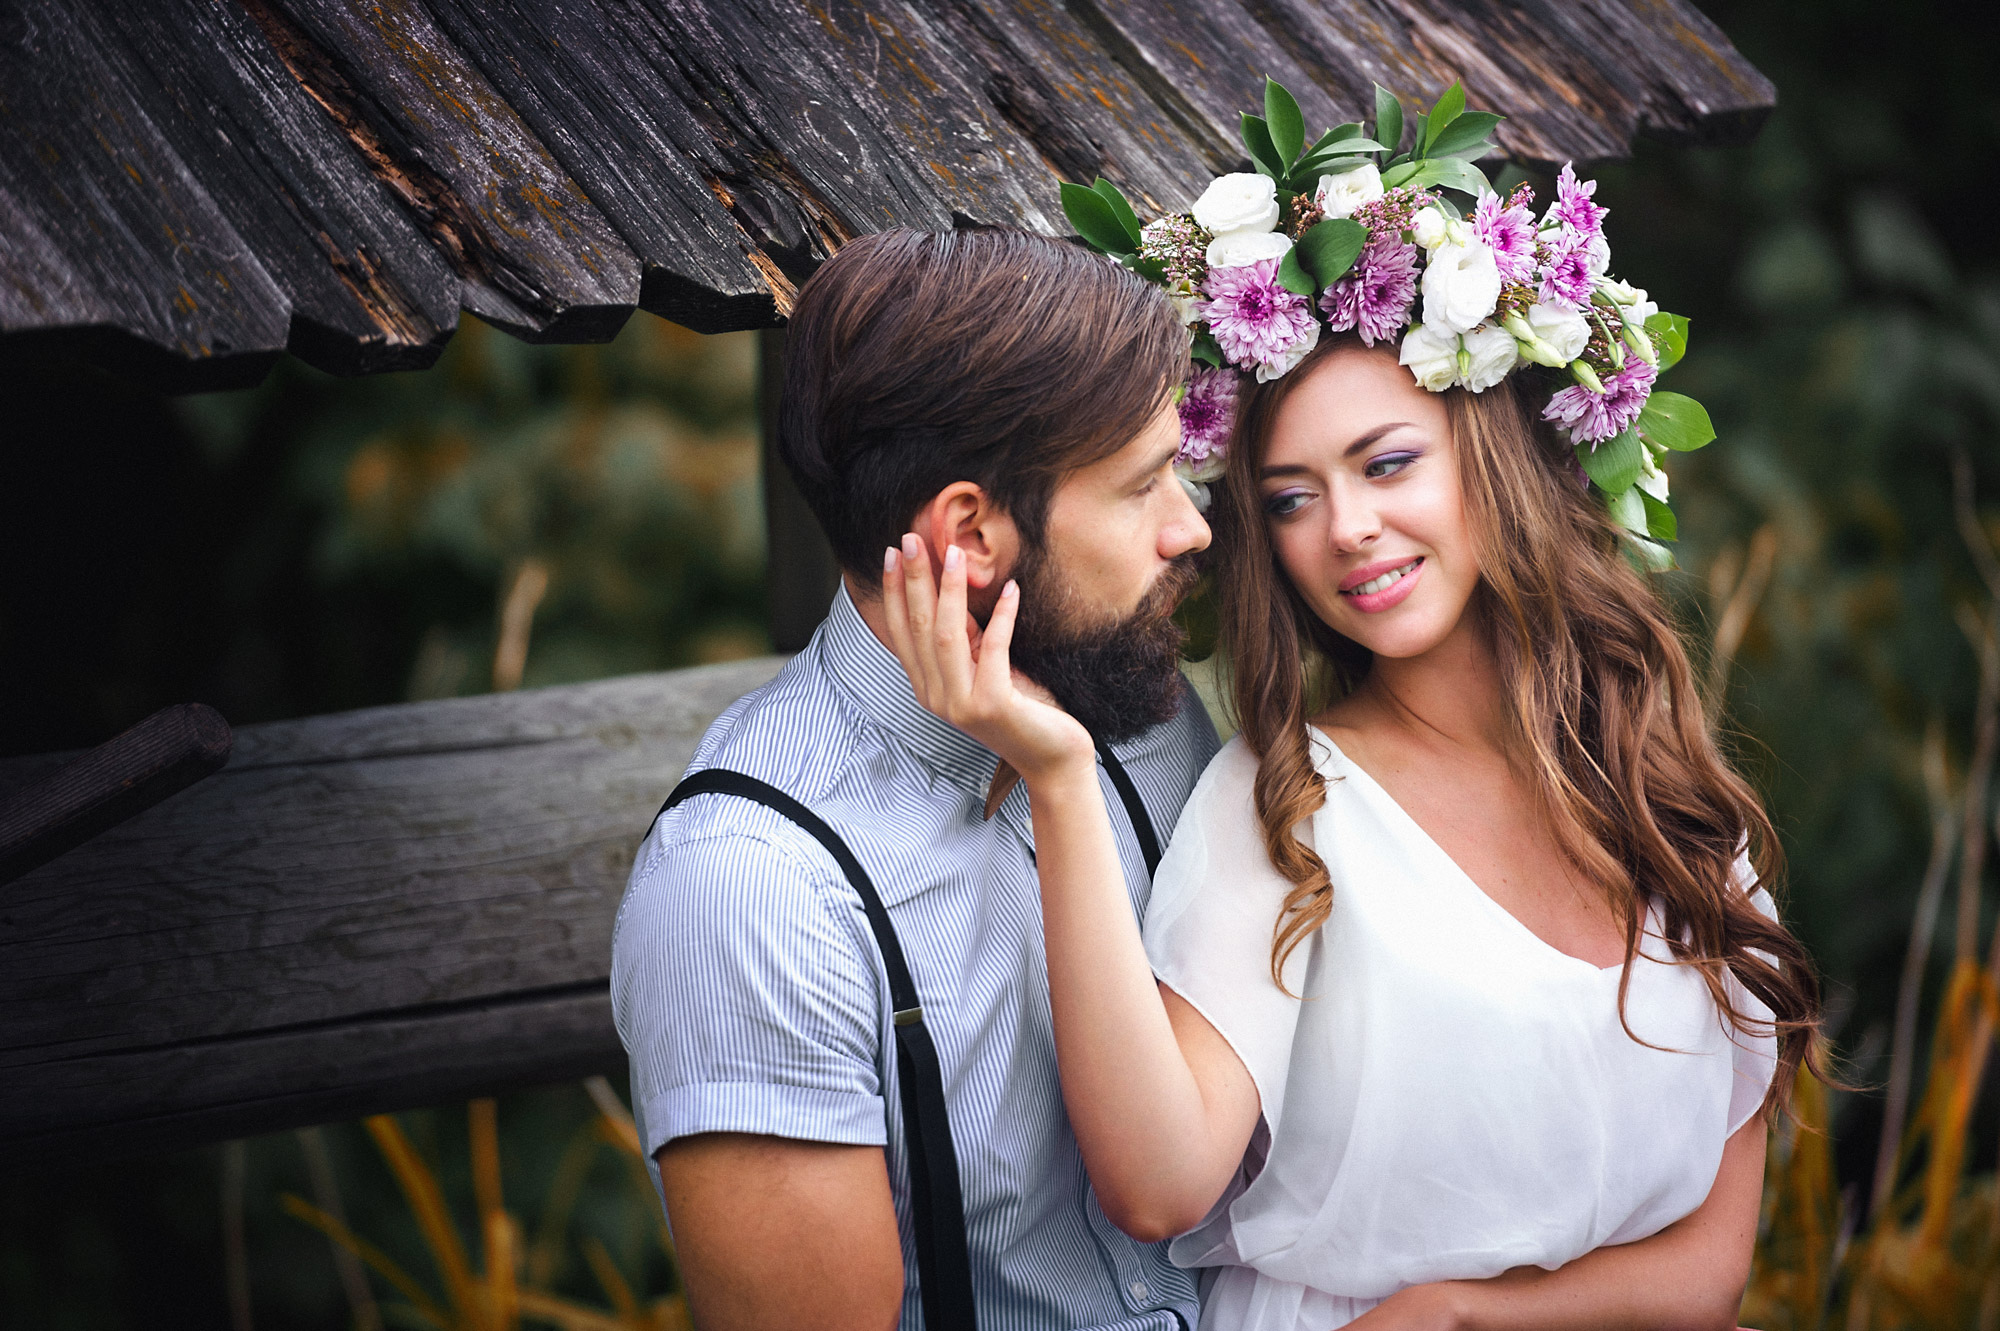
{"x": 917, "y": 358}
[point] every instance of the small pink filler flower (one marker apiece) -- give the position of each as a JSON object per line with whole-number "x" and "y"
{"x": 1377, "y": 295}
{"x": 1255, "y": 321}
{"x": 1208, "y": 414}
{"x": 1594, "y": 417}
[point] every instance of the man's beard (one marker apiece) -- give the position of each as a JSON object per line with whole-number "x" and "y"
{"x": 1118, "y": 676}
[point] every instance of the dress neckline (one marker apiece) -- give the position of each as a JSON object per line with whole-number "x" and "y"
{"x": 1455, "y": 870}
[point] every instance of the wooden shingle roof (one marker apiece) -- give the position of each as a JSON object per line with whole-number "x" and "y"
{"x": 189, "y": 187}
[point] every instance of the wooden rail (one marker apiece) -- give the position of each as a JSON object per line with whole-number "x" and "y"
{"x": 361, "y": 912}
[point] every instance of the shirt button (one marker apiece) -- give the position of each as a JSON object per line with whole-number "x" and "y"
{"x": 1138, "y": 1288}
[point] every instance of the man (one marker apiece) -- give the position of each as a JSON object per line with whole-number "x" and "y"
{"x": 1011, "y": 396}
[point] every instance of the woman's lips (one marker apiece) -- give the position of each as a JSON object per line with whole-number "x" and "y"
{"x": 1388, "y": 584}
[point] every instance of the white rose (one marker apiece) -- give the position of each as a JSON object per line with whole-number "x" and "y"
{"x": 1234, "y": 249}
{"x": 1288, "y": 360}
{"x": 1489, "y": 351}
{"x": 1239, "y": 201}
{"x": 1339, "y": 196}
{"x": 1461, "y": 286}
{"x": 1563, "y": 329}
{"x": 1432, "y": 356}
{"x": 1428, "y": 227}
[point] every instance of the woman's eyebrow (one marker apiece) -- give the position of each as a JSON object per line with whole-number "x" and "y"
{"x": 1373, "y": 436}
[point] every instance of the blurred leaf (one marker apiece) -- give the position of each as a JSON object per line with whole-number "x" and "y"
{"x": 1670, "y": 338}
{"x": 1614, "y": 464}
{"x": 1660, "y": 523}
{"x": 1120, "y": 209}
{"x": 1894, "y": 246}
{"x": 1676, "y": 421}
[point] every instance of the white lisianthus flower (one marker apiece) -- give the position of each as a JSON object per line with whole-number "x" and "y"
{"x": 1489, "y": 357}
{"x": 1630, "y": 300}
{"x": 1432, "y": 356}
{"x": 1339, "y": 196}
{"x": 1429, "y": 226}
{"x": 1288, "y": 360}
{"x": 1234, "y": 249}
{"x": 1565, "y": 330}
{"x": 1461, "y": 286}
{"x": 1651, "y": 479}
{"x": 1239, "y": 201}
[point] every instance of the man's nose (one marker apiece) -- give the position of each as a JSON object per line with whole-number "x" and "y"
{"x": 1186, "y": 530}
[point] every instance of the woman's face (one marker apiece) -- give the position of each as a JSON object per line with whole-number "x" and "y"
{"x": 1361, "y": 496}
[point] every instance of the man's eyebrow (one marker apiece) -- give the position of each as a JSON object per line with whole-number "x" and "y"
{"x": 1159, "y": 460}
{"x": 1373, "y": 436}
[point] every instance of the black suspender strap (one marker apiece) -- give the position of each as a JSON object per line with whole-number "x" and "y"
{"x": 1142, "y": 826}
{"x": 937, "y": 1207}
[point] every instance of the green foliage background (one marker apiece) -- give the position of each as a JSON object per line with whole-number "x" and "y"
{"x": 315, "y": 544}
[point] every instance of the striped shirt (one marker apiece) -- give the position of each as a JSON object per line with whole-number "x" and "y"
{"x": 751, "y": 998}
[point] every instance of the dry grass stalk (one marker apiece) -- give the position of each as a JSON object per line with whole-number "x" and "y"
{"x": 1738, "y": 586}
{"x": 525, "y": 591}
{"x": 326, "y": 1192}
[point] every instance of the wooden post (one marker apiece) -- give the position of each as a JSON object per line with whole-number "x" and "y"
{"x": 800, "y": 573}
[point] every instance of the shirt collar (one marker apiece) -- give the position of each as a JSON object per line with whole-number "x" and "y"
{"x": 870, "y": 674}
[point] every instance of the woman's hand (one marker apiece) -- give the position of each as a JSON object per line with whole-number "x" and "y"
{"x": 963, "y": 675}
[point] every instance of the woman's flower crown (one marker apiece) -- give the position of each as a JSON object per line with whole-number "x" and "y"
{"x": 1349, "y": 233}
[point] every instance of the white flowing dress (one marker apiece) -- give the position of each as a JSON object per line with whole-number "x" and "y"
{"x": 1448, "y": 1096}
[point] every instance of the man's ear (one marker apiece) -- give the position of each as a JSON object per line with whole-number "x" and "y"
{"x": 964, "y": 514}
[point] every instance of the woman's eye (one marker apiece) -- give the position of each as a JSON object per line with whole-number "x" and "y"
{"x": 1285, "y": 503}
{"x": 1387, "y": 465}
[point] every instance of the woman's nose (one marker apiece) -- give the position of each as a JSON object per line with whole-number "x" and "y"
{"x": 1352, "y": 525}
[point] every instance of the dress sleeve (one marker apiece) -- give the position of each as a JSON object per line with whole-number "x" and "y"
{"x": 1755, "y": 1055}
{"x": 1210, "y": 924}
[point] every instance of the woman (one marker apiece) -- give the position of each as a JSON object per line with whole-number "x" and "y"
{"x": 1469, "y": 1008}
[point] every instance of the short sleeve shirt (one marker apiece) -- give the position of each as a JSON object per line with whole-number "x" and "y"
{"x": 751, "y": 998}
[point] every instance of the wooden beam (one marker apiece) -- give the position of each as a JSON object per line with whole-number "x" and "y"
{"x": 361, "y": 912}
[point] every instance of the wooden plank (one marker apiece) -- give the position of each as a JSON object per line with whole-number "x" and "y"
{"x": 161, "y": 756}
{"x": 345, "y": 883}
{"x": 369, "y": 289}
{"x": 110, "y": 240}
{"x": 539, "y": 258}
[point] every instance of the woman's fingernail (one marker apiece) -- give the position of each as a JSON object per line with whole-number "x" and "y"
{"x": 1012, "y": 588}
{"x": 953, "y": 557}
{"x": 911, "y": 548}
{"x": 889, "y": 557}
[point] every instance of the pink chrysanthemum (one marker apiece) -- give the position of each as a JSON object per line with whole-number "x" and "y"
{"x": 1208, "y": 414}
{"x": 1509, "y": 229}
{"x": 1566, "y": 274}
{"x": 1376, "y": 296}
{"x": 1255, "y": 321}
{"x": 1594, "y": 417}
{"x": 1573, "y": 207}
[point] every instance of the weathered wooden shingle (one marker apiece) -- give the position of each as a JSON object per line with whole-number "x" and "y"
{"x": 189, "y": 187}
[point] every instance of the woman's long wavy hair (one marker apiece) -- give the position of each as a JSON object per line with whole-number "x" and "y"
{"x": 1606, "y": 718}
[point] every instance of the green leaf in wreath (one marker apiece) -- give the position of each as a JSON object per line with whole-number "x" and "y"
{"x": 1417, "y": 137}
{"x": 1257, "y": 142}
{"x": 1119, "y": 208}
{"x": 1206, "y": 349}
{"x": 1676, "y": 421}
{"x": 1388, "y": 117}
{"x": 1449, "y": 172}
{"x": 1670, "y": 338}
{"x": 1286, "y": 125}
{"x": 1396, "y": 175}
{"x": 1292, "y": 275}
{"x": 1094, "y": 221}
{"x": 1329, "y": 248}
{"x": 1447, "y": 110}
{"x": 1660, "y": 524}
{"x": 1614, "y": 464}
{"x": 1465, "y": 133}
